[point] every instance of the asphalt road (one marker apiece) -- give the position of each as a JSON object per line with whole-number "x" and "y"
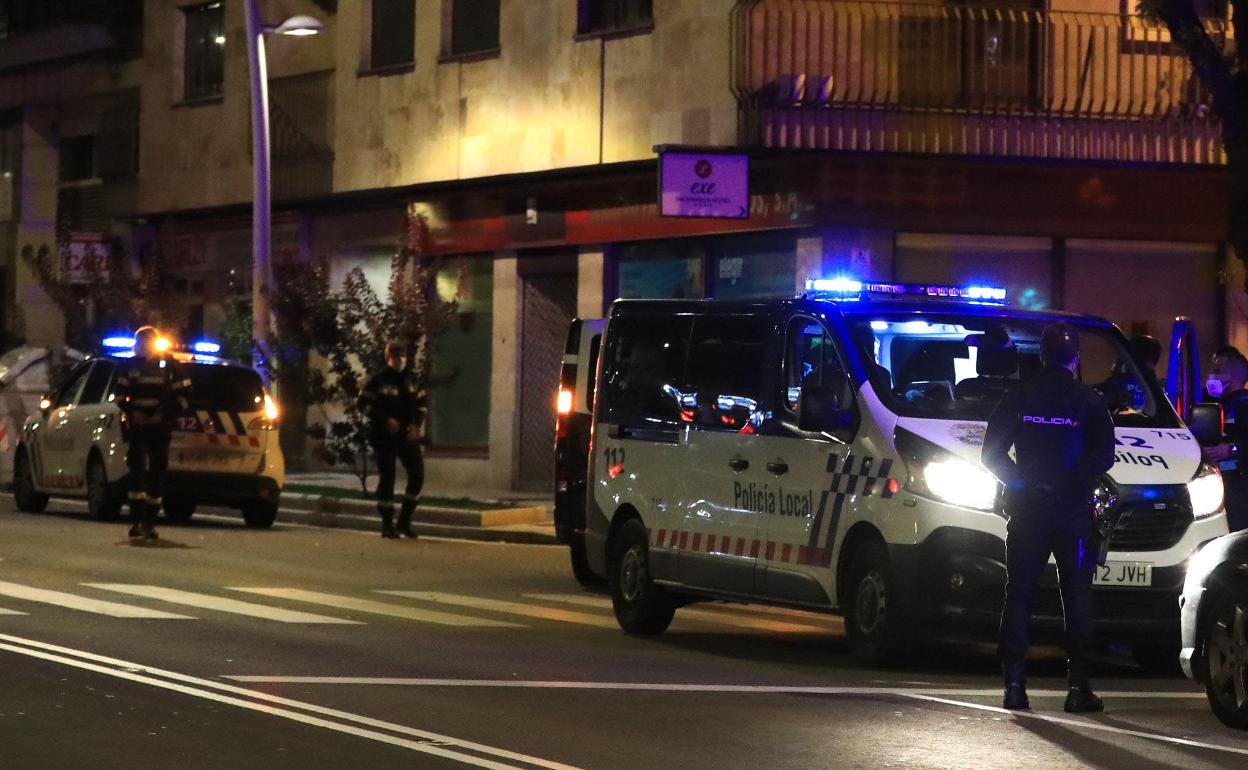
{"x": 309, "y": 648}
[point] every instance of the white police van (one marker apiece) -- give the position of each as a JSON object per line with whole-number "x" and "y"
{"x": 823, "y": 453}
{"x": 224, "y": 451}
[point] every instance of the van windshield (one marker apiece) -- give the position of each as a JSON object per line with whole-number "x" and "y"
{"x": 957, "y": 367}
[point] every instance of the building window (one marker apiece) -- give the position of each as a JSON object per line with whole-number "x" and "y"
{"x": 393, "y": 37}
{"x": 204, "y": 51}
{"x": 472, "y": 27}
{"x": 598, "y": 17}
{"x": 77, "y": 158}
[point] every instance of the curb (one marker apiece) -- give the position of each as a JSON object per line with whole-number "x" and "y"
{"x": 338, "y": 513}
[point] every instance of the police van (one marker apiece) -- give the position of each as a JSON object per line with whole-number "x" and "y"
{"x": 824, "y": 453}
{"x": 574, "y": 417}
{"x": 224, "y": 450}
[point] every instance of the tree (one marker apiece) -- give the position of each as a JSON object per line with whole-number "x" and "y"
{"x": 1224, "y": 71}
{"x": 411, "y": 313}
{"x": 110, "y": 291}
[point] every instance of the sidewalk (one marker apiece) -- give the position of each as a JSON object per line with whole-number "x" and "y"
{"x": 330, "y": 499}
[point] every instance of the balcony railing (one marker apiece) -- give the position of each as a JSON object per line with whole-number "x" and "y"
{"x": 968, "y": 79}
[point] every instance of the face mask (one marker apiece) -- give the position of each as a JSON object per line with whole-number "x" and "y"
{"x": 1214, "y": 386}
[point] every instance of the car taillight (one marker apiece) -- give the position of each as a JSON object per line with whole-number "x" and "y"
{"x": 563, "y": 404}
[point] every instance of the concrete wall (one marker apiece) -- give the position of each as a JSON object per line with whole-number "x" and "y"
{"x": 540, "y": 103}
{"x": 198, "y": 155}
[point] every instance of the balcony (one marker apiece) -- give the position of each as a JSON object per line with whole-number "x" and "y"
{"x": 968, "y": 80}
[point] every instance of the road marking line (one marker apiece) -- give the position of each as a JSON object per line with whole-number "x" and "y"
{"x": 691, "y": 613}
{"x": 83, "y": 603}
{"x": 427, "y": 742}
{"x": 514, "y": 608}
{"x": 1081, "y": 723}
{"x": 377, "y": 608}
{"x": 693, "y": 687}
{"x": 3, "y": 611}
{"x": 932, "y": 695}
{"x": 220, "y": 604}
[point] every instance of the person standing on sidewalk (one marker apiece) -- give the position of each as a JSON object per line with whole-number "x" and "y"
{"x": 394, "y": 405}
{"x": 151, "y": 391}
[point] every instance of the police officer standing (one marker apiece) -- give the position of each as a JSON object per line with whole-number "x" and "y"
{"x": 1226, "y": 384}
{"x": 394, "y": 405}
{"x": 151, "y": 391}
{"x": 1063, "y": 440}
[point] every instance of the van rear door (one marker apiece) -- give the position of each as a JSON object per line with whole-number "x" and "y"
{"x": 225, "y": 430}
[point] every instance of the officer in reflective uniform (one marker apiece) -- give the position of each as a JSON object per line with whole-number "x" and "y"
{"x": 1226, "y": 384}
{"x": 394, "y": 404}
{"x": 1063, "y": 440}
{"x": 151, "y": 391}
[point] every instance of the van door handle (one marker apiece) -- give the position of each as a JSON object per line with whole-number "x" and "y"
{"x": 738, "y": 463}
{"x": 779, "y": 467}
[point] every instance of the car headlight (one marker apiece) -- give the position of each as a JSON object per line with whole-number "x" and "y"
{"x": 937, "y": 473}
{"x": 958, "y": 482}
{"x": 1206, "y": 491}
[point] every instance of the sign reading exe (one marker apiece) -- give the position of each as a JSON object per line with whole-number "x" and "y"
{"x": 705, "y": 185}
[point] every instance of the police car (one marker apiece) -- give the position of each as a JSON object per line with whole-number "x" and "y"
{"x": 824, "y": 453}
{"x": 224, "y": 450}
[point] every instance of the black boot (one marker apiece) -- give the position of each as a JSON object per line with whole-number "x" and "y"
{"x": 1015, "y": 687}
{"x": 1081, "y": 700}
{"x": 387, "y": 522}
{"x": 405, "y": 521}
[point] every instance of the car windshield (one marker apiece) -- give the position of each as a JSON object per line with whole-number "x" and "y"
{"x": 957, "y": 367}
{"x": 225, "y": 388}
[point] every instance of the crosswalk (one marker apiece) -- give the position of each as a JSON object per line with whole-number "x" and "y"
{"x": 426, "y": 608}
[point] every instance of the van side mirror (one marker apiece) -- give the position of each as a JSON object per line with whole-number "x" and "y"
{"x": 1205, "y": 423}
{"x": 823, "y": 409}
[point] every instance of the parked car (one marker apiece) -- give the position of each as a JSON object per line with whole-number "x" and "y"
{"x": 26, "y": 373}
{"x": 1214, "y": 609}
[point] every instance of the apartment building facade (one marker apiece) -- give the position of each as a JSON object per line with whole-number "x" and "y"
{"x": 1063, "y": 150}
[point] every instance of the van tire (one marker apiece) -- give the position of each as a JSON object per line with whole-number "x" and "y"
{"x": 27, "y": 498}
{"x": 586, "y": 577}
{"x": 104, "y": 501}
{"x": 260, "y": 514}
{"x": 179, "y": 509}
{"x": 876, "y": 625}
{"x": 640, "y": 606}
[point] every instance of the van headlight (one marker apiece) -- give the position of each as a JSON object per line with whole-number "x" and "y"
{"x": 1206, "y": 491}
{"x": 938, "y": 473}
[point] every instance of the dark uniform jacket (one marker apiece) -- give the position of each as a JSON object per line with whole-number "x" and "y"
{"x": 392, "y": 394}
{"x": 1063, "y": 440}
{"x": 151, "y": 388}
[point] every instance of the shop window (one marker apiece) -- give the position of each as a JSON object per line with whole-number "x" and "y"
{"x": 459, "y": 391}
{"x": 392, "y": 39}
{"x": 600, "y": 17}
{"x": 472, "y": 27}
{"x": 755, "y": 275}
{"x": 203, "y": 62}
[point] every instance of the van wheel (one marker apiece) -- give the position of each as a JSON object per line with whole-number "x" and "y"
{"x": 640, "y": 606}
{"x": 877, "y": 627}
{"x": 1224, "y": 633}
{"x": 260, "y": 514}
{"x": 28, "y": 499}
{"x": 580, "y": 564}
{"x": 179, "y": 509}
{"x": 103, "y": 501}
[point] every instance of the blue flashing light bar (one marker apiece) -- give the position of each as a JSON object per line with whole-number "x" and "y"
{"x": 206, "y": 346}
{"x": 848, "y": 288}
{"x": 118, "y": 343}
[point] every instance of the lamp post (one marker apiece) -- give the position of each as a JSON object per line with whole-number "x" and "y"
{"x": 261, "y": 241}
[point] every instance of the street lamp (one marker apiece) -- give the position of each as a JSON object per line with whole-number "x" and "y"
{"x": 261, "y": 241}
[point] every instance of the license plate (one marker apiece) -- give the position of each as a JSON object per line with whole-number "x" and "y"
{"x": 1124, "y": 573}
